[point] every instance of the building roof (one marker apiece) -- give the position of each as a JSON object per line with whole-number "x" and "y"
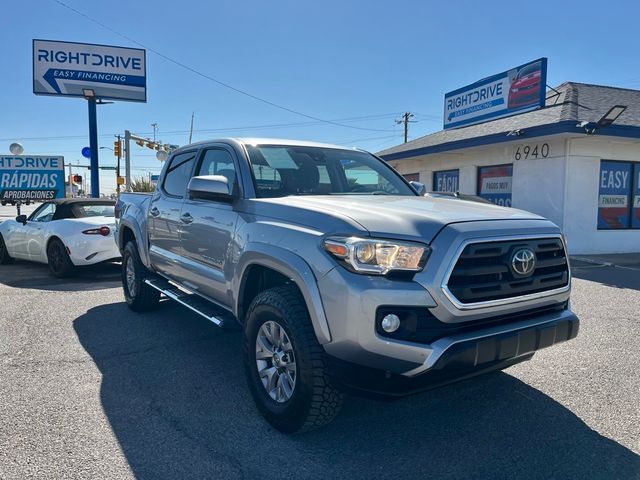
{"x": 565, "y": 107}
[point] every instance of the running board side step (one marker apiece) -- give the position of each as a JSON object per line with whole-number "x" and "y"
{"x": 195, "y": 303}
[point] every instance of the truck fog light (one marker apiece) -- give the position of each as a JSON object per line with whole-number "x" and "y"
{"x": 390, "y": 323}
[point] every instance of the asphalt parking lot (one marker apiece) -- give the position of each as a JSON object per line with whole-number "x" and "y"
{"x": 89, "y": 389}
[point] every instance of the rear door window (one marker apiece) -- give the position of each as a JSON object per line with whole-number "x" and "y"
{"x": 178, "y": 174}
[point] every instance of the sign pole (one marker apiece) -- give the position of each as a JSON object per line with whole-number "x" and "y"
{"x": 93, "y": 145}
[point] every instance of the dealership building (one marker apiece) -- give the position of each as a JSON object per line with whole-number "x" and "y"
{"x": 574, "y": 159}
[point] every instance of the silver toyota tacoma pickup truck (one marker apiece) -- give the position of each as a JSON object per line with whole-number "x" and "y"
{"x": 341, "y": 274}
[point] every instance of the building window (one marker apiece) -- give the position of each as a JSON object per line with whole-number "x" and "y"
{"x": 446, "y": 181}
{"x": 619, "y": 195}
{"x": 494, "y": 184}
{"x": 412, "y": 177}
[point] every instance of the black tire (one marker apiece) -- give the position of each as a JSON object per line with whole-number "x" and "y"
{"x": 140, "y": 297}
{"x": 314, "y": 401}
{"x": 60, "y": 265}
{"x": 5, "y": 258}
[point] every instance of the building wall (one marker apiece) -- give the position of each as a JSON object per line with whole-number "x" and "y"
{"x": 581, "y": 206}
{"x": 562, "y": 187}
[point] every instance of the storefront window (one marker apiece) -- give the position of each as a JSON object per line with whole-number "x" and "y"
{"x": 494, "y": 184}
{"x": 446, "y": 181}
{"x": 618, "y": 189}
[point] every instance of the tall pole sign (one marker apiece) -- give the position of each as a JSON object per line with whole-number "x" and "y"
{"x": 93, "y": 72}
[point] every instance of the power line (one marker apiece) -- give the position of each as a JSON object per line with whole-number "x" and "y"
{"x": 350, "y": 142}
{"x": 206, "y": 130}
{"x": 210, "y": 78}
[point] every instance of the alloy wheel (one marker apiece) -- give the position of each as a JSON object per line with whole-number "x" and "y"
{"x": 275, "y": 361}
{"x": 130, "y": 274}
{"x": 55, "y": 255}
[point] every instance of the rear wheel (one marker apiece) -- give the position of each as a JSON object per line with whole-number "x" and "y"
{"x": 285, "y": 365}
{"x": 60, "y": 264}
{"x": 5, "y": 258}
{"x": 138, "y": 295}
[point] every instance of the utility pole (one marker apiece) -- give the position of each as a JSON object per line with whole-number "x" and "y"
{"x": 118, "y": 155}
{"x": 155, "y": 127}
{"x": 406, "y": 121}
{"x": 127, "y": 159}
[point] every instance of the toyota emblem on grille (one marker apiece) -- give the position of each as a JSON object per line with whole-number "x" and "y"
{"x": 523, "y": 262}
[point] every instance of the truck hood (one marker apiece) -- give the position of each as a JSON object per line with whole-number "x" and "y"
{"x": 396, "y": 216}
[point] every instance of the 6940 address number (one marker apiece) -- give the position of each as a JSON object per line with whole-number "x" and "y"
{"x": 524, "y": 152}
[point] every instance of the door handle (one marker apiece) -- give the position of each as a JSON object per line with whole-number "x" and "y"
{"x": 186, "y": 218}
{"x": 154, "y": 212}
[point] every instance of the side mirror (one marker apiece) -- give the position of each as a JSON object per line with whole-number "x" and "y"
{"x": 21, "y": 219}
{"x": 419, "y": 187}
{"x": 210, "y": 187}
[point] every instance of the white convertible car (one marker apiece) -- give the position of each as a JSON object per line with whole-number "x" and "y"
{"x": 63, "y": 233}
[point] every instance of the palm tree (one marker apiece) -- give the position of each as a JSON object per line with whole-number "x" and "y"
{"x": 142, "y": 184}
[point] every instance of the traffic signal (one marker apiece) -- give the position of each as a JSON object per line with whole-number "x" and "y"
{"x": 77, "y": 179}
{"x": 117, "y": 148}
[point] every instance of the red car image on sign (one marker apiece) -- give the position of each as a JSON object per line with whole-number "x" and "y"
{"x": 526, "y": 85}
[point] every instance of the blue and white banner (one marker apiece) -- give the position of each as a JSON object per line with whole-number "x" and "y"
{"x": 613, "y": 196}
{"x": 515, "y": 91}
{"x": 65, "y": 68}
{"x": 446, "y": 181}
{"x": 35, "y": 178}
{"x": 494, "y": 184}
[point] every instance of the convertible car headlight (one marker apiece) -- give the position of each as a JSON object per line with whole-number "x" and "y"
{"x": 376, "y": 256}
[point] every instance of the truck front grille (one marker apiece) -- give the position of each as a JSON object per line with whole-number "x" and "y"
{"x": 484, "y": 271}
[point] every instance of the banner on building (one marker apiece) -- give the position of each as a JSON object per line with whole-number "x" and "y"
{"x": 614, "y": 194}
{"x": 446, "y": 181}
{"x": 494, "y": 184}
{"x": 515, "y": 91}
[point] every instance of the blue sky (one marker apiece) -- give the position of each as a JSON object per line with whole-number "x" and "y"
{"x": 362, "y": 61}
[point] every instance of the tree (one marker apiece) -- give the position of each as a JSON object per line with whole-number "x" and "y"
{"x": 142, "y": 184}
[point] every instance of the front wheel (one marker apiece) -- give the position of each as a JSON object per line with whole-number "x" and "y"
{"x": 285, "y": 365}
{"x": 60, "y": 264}
{"x": 139, "y": 295}
{"x": 5, "y": 258}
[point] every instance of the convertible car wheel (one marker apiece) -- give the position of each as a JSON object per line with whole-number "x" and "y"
{"x": 60, "y": 264}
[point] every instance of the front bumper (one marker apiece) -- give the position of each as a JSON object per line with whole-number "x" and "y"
{"x": 456, "y": 359}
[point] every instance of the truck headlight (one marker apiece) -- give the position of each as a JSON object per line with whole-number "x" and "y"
{"x": 376, "y": 256}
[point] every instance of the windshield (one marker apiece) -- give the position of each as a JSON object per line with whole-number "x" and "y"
{"x": 291, "y": 170}
{"x": 82, "y": 210}
{"x": 528, "y": 70}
